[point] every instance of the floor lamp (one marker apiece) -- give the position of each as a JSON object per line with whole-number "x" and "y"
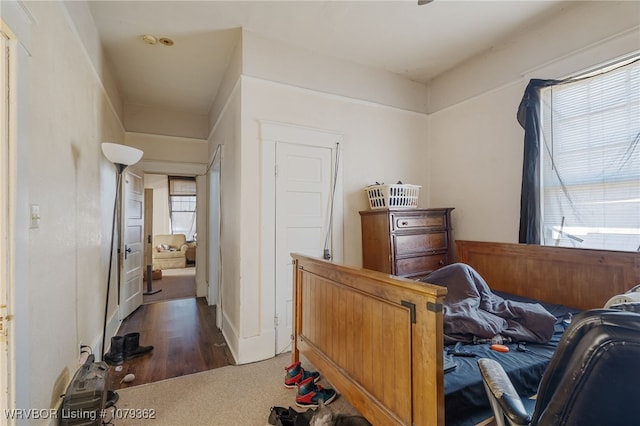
{"x": 121, "y": 156}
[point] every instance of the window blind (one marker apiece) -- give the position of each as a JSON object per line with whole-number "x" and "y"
{"x": 182, "y": 206}
{"x": 590, "y": 168}
{"x": 182, "y": 186}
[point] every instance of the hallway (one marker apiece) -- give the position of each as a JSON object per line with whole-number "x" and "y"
{"x": 185, "y": 340}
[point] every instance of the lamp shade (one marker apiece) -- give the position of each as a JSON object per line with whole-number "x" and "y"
{"x": 121, "y": 154}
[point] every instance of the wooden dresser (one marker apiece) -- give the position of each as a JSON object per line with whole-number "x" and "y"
{"x": 406, "y": 242}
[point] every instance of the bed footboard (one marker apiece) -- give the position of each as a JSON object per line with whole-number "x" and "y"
{"x": 376, "y": 338}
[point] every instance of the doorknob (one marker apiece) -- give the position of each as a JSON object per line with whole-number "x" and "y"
{"x": 126, "y": 250}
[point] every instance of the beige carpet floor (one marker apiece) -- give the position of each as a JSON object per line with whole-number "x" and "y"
{"x": 175, "y": 284}
{"x": 235, "y": 395}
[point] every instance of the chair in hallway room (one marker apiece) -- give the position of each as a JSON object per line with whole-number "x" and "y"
{"x": 169, "y": 251}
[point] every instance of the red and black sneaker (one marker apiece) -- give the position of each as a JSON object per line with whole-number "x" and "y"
{"x": 310, "y": 394}
{"x": 295, "y": 374}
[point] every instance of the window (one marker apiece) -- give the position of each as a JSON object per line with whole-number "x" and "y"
{"x": 590, "y": 161}
{"x": 182, "y": 206}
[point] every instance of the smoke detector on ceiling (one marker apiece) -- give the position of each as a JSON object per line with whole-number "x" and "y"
{"x": 149, "y": 39}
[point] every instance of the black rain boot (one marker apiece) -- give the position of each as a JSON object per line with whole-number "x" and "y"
{"x": 112, "y": 398}
{"x": 132, "y": 346}
{"x": 115, "y": 355}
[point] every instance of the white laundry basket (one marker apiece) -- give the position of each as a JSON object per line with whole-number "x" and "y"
{"x": 398, "y": 196}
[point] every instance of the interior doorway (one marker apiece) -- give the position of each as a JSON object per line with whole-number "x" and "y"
{"x": 132, "y": 244}
{"x": 214, "y": 254}
{"x": 172, "y": 236}
{"x": 7, "y": 366}
{"x": 181, "y": 327}
{"x": 304, "y": 200}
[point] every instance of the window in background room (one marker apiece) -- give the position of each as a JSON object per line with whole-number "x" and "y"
{"x": 182, "y": 206}
{"x": 590, "y": 164}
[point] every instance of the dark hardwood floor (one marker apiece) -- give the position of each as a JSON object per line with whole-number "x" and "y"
{"x": 185, "y": 338}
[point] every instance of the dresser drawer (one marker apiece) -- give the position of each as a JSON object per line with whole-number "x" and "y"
{"x": 406, "y": 242}
{"x": 420, "y": 243}
{"x": 421, "y": 265}
{"x": 401, "y": 222}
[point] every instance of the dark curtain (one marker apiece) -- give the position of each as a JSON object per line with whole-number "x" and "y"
{"x": 529, "y": 118}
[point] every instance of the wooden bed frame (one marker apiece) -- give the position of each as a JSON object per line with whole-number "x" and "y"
{"x": 583, "y": 279}
{"x": 378, "y": 338}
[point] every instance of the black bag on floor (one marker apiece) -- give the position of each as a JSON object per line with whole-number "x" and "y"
{"x": 85, "y": 396}
{"x": 281, "y": 416}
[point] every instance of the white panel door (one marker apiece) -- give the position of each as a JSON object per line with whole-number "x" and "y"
{"x": 132, "y": 245}
{"x": 303, "y": 192}
{"x": 214, "y": 239}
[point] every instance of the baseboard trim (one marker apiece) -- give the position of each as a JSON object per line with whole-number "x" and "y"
{"x": 251, "y": 349}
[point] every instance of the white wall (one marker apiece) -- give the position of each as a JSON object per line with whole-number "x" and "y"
{"x": 374, "y": 111}
{"x": 64, "y": 116}
{"x": 164, "y": 121}
{"x": 577, "y": 31}
{"x": 474, "y": 139}
{"x": 278, "y": 62}
{"x": 224, "y": 143}
{"x": 380, "y": 143}
{"x": 227, "y": 134}
{"x": 225, "y": 92}
{"x": 168, "y": 152}
{"x": 86, "y": 31}
{"x": 475, "y": 164}
{"x": 160, "y": 186}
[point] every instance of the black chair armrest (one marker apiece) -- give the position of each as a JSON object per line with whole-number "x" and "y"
{"x": 502, "y": 394}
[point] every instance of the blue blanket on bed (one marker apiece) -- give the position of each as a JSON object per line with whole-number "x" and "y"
{"x": 471, "y": 311}
{"x": 466, "y": 402}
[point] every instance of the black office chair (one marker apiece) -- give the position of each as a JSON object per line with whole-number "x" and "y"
{"x": 593, "y": 377}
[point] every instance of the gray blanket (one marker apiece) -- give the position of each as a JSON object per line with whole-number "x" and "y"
{"x": 471, "y": 310}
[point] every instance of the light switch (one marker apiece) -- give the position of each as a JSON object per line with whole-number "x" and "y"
{"x": 35, "y": 216}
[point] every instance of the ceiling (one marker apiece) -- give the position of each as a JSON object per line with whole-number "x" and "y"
{"x": 418, "y": 42}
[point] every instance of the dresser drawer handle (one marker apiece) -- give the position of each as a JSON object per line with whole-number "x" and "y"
{"x": 441, "y": 262}
{"x": 404, "y": 223}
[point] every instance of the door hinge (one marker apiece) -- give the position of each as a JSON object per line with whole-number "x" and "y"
{"x": 275, "y": 170}
{"x": 276, "y": 321}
